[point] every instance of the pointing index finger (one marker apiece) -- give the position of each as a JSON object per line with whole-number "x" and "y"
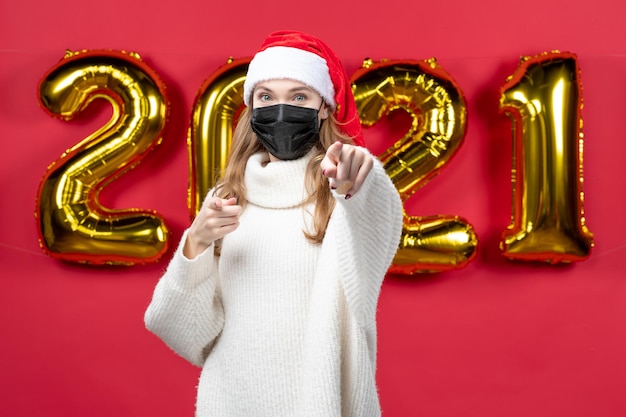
{"x": 334, "y": 152}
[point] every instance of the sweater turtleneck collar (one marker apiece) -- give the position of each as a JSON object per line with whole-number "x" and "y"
{"x": 278, "y": 184}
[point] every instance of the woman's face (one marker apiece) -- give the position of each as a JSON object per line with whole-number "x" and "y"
{"x": 295, "y": 93}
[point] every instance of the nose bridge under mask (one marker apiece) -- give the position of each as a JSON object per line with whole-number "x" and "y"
{"x": 281, "y": 112}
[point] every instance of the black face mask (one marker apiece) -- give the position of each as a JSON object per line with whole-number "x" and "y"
{"x": 287, "y": 132}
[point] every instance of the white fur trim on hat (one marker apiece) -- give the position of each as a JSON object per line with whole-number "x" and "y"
{"x": 282, "y": 62}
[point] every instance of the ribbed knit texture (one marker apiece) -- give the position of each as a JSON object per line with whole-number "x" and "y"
{"x": 280, "y": 326}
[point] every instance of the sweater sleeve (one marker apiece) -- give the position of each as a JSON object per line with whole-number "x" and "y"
{"x": 186, "y": 310}
{"x": 368, "y": 227}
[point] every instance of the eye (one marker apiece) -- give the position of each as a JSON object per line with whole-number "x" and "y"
{"x": 264, "y": 97}
{"x": 300, "y": 98}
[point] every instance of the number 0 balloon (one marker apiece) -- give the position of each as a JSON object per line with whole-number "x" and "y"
{"x": 73, "y": 226}
{"x": 216, "y": 107}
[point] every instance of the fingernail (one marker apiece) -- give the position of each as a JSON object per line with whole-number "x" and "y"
{"x": 348, "y": 196}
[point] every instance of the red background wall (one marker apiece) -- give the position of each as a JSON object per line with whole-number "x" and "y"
{"x": 493, "y": 339}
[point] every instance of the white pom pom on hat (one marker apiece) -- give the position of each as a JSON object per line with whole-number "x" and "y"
{"x": 301, "y": 57}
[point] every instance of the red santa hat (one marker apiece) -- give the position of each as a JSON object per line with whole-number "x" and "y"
{"x": 301, "y": 57}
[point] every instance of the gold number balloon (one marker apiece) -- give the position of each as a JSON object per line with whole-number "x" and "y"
{"x": 438, "y": 111}
{"x": 543, "y": 98}
{"x": 72, "y": 225}
{"x": 216, "y": 107}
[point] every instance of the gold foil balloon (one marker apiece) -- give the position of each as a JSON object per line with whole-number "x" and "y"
{"x": 543, "y": 98}
{"x": 439, "y": 116}
{"x": 72, "y": 225}
{"x": 216, "y": 107}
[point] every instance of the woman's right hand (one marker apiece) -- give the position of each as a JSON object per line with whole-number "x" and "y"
{"x": 216, "y": 219}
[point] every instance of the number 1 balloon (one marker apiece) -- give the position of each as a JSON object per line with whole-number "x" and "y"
{"x": 544, "y": 100}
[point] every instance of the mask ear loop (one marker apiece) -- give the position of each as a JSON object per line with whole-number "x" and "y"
{"x": 319, "y": 128}
{"x": 325, "y": 111}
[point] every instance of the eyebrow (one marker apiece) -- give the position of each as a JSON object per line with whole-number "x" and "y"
{"x": 291, "y": 90}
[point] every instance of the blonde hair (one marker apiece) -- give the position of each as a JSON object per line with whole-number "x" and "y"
{"x": 245, "y": 144}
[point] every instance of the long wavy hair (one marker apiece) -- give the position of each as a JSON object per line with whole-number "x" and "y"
{"x": 245, "y": 144}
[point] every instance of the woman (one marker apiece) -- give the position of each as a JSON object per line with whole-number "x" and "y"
{"x": 273, "y": 288}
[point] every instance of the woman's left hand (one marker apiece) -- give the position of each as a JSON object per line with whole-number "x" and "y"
{"x": 346, "y": 168}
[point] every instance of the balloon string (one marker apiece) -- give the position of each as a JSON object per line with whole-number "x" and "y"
{"x": 610, "y": 251}
{"x": 20, "y": 249}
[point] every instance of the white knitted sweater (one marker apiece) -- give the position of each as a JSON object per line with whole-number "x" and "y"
{"x": 282, "y": 327}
